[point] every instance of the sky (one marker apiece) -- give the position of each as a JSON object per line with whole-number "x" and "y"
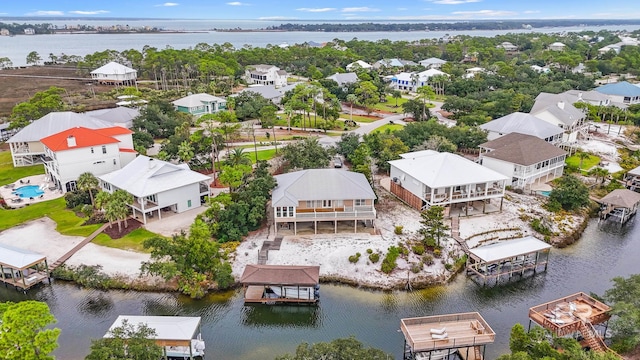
{"x": 327, "y": 9}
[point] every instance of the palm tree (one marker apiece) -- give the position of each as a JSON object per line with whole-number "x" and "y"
{"x": 582, "y": 156}
{"x": 425, "y": 93}
{"x": 396, "y": 94}
{"x": 87, "y": 182}
{"x": 185, "y": 151}
{"x": 120, "y": 201}
{"x": 237, "y": 156}
{"x": 351, "y": 98}
{"x": 599, "y": 172}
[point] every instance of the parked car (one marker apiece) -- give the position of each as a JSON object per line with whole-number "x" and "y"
{"x": 337, "y": 162}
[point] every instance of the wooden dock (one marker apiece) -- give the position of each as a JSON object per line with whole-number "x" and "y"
{"x": 75, "y": 249}
{"x": 470, "y": 353}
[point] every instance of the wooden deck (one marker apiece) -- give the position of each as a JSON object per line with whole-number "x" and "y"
{"x": 564, "y": 316}
{"x": 75, "y": 249}
{"x": 461, "y": 330}
{"x": 26, "y": 282}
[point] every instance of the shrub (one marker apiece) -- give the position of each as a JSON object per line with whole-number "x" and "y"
{"x": 553, "y": 206}
{"x": 389, "y": 262}
{"x": 354, "y": 258}
{"x": 398, "y": 230}
{"x": 374, "y": 258}
{"x": 416, "y": 268}
{"x": 448, "y": 266}
{"x": 437, "y": 253}
{"x": 369, "y": 251}
{"x": 75, "y": 198}
{"x": 418, "y": 249}
{"x": 428, "y": 260}
{"x": 537, "y": 225}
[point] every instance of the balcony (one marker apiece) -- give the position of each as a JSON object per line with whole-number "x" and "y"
{"x": 350, "y": 213}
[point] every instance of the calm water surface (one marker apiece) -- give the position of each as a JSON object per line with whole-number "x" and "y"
{"x": 234, "y": 331}
{"x": 16, "y": 48}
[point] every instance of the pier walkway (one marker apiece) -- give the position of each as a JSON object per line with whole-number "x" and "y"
{"x": 75, "y": 249}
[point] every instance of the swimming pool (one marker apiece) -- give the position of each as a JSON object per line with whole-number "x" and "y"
{"x": 28, "y": 191}
{"x": 545, "y": 193}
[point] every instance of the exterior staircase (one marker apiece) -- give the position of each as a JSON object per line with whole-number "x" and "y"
{"x": 455, "y": 233}
{"x": 263, "y": 254}
{"x": 592, "y": 339}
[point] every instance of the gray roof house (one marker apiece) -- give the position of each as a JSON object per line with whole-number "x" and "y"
{"x": 525, "y": 159}
{"x": 523, "y": 123}
{"x": 26, "y": 148}
{"x": 432, "y": 63}
{"x": 343, "y": 79}
{"x": 118, "y": 116}
{"x": 158, "y": 186}
{"x": 558, "y": 110}
{"x": 200, "y": 104}
{"x": 308, "y": 197}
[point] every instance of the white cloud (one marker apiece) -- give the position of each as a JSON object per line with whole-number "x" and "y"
{"x": 277, "y": 18}
{"x": 486, "y": 13}
{"x": 237, "y": 3}
{"x": 168, "y": 4}
{"x": 453, "y": 2}
{"x": 531, "y": 12}
{"x": 316, "y": 10}
{"x": 46, "y": 13}
{"x": 88, "y": 12}
{"x": 359, "y": 9}
{"x": 402, "y": 9}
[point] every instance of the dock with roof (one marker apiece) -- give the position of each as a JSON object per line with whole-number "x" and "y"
{"x": 22, "y": 268}
{"x": 271, "y": 284}
{"x": 620, "y": 204}
{"x": 505, "y": 259}
{"x": 437, "y": 337}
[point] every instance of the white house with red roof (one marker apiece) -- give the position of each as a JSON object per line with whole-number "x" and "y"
{"x": 77, "y": 150}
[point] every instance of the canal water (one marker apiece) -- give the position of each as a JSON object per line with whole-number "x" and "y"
{"x": 234, "y": 331}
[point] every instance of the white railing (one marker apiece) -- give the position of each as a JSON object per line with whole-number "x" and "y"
{"x": 364, "y": 214}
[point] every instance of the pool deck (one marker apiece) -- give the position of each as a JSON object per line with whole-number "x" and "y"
{"x": 12, "y": 199}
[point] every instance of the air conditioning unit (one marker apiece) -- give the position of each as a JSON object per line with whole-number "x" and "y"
{"x": 395, "y": 180}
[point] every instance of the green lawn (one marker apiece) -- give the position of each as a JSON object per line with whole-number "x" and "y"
{"x": 390, "y": 105}
{"x": 9, "y": 174}
{"x": 574, "y": 161}
{"x": 262, "y": 155}
{"x": 132, "y": 241}
{"x": 70, "y": 224}
{"x": 391, "y": 127}
{"x": 360, "y": 118}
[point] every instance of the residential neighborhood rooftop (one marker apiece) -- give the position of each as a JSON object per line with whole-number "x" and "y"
{"x": 56, "y": 122}
{"x": 83, "y": 137}
{"x": 308, "y": 275}
{"x": 523, "y": 123}
{"x": 623, "y": 88}
{"x": 521, "y": 149}
{"x": 196, "y": 100}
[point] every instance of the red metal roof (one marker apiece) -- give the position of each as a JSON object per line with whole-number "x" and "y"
{"x": 128, "y": 150}
{"x": 116, "y": 130}
{"x": 83, "y": 138}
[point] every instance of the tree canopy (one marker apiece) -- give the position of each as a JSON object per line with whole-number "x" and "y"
{"x": 570, "y": 194}
{"x": 338, "y": 349}
{"x": 25, "y": 331}
{"x": 126, "y": 342}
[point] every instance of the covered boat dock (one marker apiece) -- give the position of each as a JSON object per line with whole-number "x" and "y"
{"x": 437, "y": 337}
{"x": 505, "y": 259}
{"x": 574, "y": 314}
{"x": 22, "y": 268}
{"x": 179, "y": 336}
{"x": 272, "y": 284}
{"x": 620, "y": 204}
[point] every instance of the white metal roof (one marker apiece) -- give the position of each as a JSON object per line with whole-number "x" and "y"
{"x": 320, "y": 184}
{"x": 437, "y": 170}
{"x": 120, "y": 114}
{"x": 55, "y": 122}
{"x": 509, "y": 249}
{"x": 197, "y": 100}
{"x": 17, "y": 258}
{"x": 181, "y": 328}
{"x": 145, "y": 176}
{"x": 113, "y": 68}
{"x": 522, "y": 123}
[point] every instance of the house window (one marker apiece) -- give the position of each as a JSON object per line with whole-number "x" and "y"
{"x": 104, "y": 149}
{"x": 285, "y": 211}
{"x": 92, "y": 150}
{"x": 114, "y": 161}
{"x": 188, "y": 203}
{"x": 326, "y": 203}
{"x": 152, "y": 198}
{"x": 310, "y": 204}
{"x": 360, "y": 202}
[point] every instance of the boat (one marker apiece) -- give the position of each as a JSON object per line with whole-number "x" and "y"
{"x": 296, "y": 292}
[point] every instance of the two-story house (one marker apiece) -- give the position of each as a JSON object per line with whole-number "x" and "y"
{"x": 114, "y": 73}
{"x": 78, "y": 150}
{"x": 558, "y": 110}
{"x": 525, "y": 159}
{"x": 406, "y": 81}
{"x": 265, "y": 75}
{"x": 158, "y": 186}
{"x": 432, "y": 63}
{"x": 26, "y": 147}
{"x": 200, "y": 104}
{"x": 426, "y": 178}
{"x": 525, "y": 124}
{"x": 621, "y": 93}
{"x": 322, "y": 195}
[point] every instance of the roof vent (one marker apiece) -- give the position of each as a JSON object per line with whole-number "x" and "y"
{"x": 71, "y": 141}
{"x": 152, "y": 164}
{"x": 561, "y": 104}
